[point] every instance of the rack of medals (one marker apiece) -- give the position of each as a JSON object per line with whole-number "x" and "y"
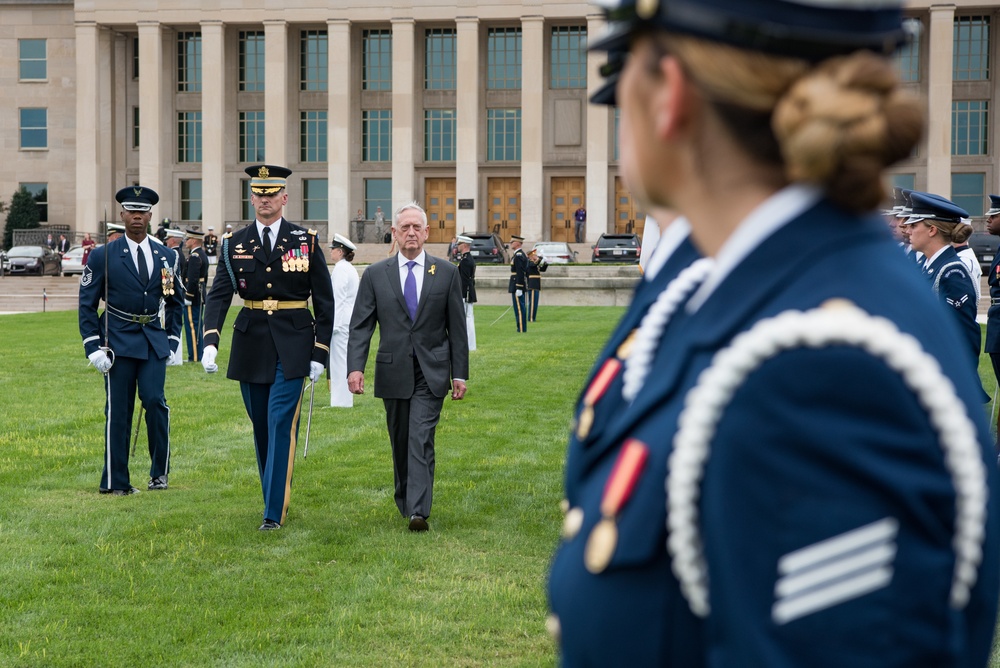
{"x": 297, "y": 259}
{"x": 167, "y": 280}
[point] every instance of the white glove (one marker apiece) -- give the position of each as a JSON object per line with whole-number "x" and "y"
{"x": 175, "y": 358}
{"x": 208, "y": 359}
{"x": 315, "y": 371}
{"x": 100, "y": 360}
{"x": 519, "y": 292}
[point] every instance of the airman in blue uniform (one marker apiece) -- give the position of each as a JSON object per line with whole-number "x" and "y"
{"x": 992, "y": 345}
{"x": 276, "y": 267}
{"x": 127, "y": 343}
{"x": 798, "y": 472}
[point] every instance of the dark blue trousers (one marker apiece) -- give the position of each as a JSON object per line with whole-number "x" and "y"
{"x": 193, "y": 335}
{"x": 532, "y": 303}
{"x": 274, "y": 413}
{"x": 520, "y": 311}
{"x": 120, "y": 384}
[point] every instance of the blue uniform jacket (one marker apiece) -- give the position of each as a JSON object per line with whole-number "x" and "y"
{"x": 128, "y": 293}
{"x": 814, "y": 444}
{"x": 953, "y": 285}
{"x": 993, "y": 316}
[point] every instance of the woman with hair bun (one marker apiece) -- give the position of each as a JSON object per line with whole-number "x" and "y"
{"x": 935, "y": 224}
{"x": 800, "y": 472}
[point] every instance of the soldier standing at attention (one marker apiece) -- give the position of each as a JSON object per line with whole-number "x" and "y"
{"x": 276, "y": 267}
{"x": 211, "y": 245}
{"x": 127, "y": 343}
{"x": 174, "y": 241}
{"x": 536, "y": 265}
{"x": 518, "y": 282}
{"x": 196, "y": 285}
{"x": 467, "y": 272}
{"x": 992, "y": 345}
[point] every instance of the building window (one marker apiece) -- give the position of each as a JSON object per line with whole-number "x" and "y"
{"x": 376, "y": 63}
{"x": 34, "y": 128}
{"x": 251, "y": 136}
{"x": 503, "y": 55}
{"x": 135, "y": 57}
{"x": 503, "y": 134}
{"x": 439, "y": 135}
{"x": 190, "y": 199}
{"x": 569, "y": 57}
{"x": 189, "y": 62}
{"x": 439, "y": 59}
{"x": 314, "y": 195}
{"x": 135, "y": 127}
{"x": 908, "y": 59}
{"x": 189, "y": 137}
{"x": 246, "y": 206}
{"x": 378, "y": 193}
{"x": 376, "y": 135}
{"x": 312, "y": 136}
{"x": 251, "y": 62}
{"x": 32, "y": 64}
{"x": 969, "y": 127}
{"x": 904, "y": 181}
{"x": 313, "y": 60}
{"x": 972, "y": 48}
{"x": 969, "y": 191}
{"x": 40, "y": 193}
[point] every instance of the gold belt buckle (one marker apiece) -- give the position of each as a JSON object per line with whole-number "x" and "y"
{"x": 270, "y": 304}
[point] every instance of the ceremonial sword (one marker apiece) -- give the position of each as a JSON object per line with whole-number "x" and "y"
{"x": 309, "y": 420}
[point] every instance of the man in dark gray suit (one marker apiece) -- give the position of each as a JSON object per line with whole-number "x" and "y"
{"x": 423, "y": 351}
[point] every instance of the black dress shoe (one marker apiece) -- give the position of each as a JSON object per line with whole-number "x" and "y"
{"x": 269, "y": 525}
{"x": 120, "y": 492}
{"x": 418, "y": 523}
{"x": 159, "y": 482}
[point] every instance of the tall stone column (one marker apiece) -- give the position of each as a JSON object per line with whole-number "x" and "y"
{"x": 90, "y": 198}
{"x": 213, "y": 123}
{"x": 338, "y": 128}
{"x": 600, "y": 204}
{"x": 276, "y": 118}
{"x": 939, "y": 94}
{"x": 404, "y": 90}
{"x": 467, "y": 120}
{"x": 155, "y": 133}
{"x": 532, "y": 135}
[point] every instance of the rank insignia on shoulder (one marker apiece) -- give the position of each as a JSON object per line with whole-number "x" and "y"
{"x": 227, "y": 235}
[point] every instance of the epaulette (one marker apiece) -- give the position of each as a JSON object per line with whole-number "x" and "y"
{"x": 227, "y": 235}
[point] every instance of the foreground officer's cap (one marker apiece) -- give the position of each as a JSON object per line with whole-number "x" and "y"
{"x": 809, "y": 29}
{"x": 137, "y": 198}
{"x": 267, "y": 179}
{"x": 927, "y": 206}
{"x": 994, "y": 205}
{"x": 340, "y": 241}
{"x": 193, "y": 234}
{"x": 462, "y": 239}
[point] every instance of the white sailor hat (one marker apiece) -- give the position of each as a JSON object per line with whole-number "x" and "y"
{"x": 462, "y": 239}
{"x": 176, "y": 234}
{"x": 340, "y": 241}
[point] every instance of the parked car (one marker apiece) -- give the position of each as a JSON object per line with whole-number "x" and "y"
{"x": 985, "y": 245}
{"x": 72, "y": 260}
{"x": 555, "y": 252}
{"x": 38, "y": 260}
{"x": 620, "y": 248}
{"x": 487, "y": 248}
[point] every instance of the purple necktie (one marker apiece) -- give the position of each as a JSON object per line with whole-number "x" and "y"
{"x": 410, "y": 290}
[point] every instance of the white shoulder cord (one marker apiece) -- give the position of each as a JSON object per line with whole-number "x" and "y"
{"x": 937, "y": 278}
{"x": 647, "y": 338}
{"x": 837, "y": 323}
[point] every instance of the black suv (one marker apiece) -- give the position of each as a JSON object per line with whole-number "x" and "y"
{"x": 487, "y": 248}
{"x": 985, "y": 245}
{"x": 619, "y": 248}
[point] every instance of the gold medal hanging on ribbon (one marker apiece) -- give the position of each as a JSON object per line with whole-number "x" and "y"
{"x": 167, "y": 282}
{"x": 285, "y": 264}
{"x": 603, "y": 539}
{"x": 602, "y": 381}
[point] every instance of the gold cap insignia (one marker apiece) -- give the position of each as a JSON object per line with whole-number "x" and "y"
{"x": 263, "y": 173}
{"x": 137, "y": 190}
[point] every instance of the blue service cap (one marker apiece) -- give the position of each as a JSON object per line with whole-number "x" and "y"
{"x": 927, "y": 206}
{"x": 994, "y": 205}
{"x": 809, "y": 29}
{"x": 137, "y": 198}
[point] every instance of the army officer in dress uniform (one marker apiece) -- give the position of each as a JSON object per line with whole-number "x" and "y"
{"x": 127, "y": 343}
{"x": 992, "y": 345}
{"x": 467, "y": 272}
{"x": 518, "y": 282}
{"x": 275, "y": 267}
{"x": 801, "y": 474}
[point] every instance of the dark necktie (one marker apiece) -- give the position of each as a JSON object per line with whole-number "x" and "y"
{"x": 267, "y": 242}
{"x": 143, "y": 269}
{"x": 410, "y": 290}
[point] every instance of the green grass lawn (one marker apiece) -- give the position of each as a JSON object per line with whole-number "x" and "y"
{"x": 184, "y": 578}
